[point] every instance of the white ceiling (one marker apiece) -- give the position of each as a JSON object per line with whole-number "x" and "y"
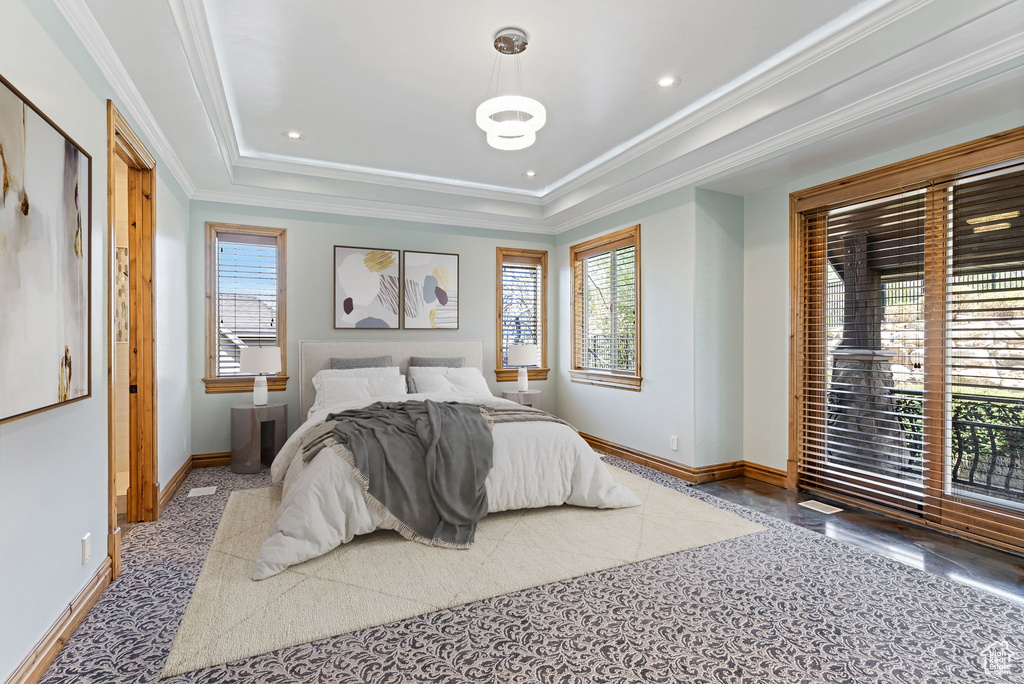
{"x": 384, "y": 94}
{"x": 393, "y": 85}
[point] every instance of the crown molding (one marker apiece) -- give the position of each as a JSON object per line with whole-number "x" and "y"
{"x": 197, "y": 44}
{"x": 1007, "y": 53}
{"x": 397, "y": 179}
{"x": 88, "y": 30}
{"x": 815, "y": 47}
{"x": 197, "y": 41}
{"x": 381, "y": 210}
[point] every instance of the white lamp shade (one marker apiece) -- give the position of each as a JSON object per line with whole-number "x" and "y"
{"x": 259, "y": 360}
{"x": 524, "y": 355}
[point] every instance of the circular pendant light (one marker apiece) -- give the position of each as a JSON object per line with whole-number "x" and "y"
{"x": 510, "y": 121}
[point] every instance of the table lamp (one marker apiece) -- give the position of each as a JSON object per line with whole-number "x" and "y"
{"x": 523, "y": 355}
{"x": 260, "y": 361}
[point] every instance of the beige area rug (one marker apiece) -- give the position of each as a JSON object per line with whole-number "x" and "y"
{"x": 382, "y": 578}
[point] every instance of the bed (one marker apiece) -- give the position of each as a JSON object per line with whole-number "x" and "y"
{"x": 535, "y": 464}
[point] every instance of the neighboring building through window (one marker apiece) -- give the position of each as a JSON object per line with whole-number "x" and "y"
{"x": 245, "y": 301}
{"x": 606, "y": 310}
{"x": 522, "y": 288}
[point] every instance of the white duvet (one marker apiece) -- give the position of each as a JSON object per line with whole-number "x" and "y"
{"x": 536, "y": 464}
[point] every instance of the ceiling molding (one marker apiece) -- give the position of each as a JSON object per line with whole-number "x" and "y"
{"x": 197, "y": 44}
{"x": 913, "y": 91}
{"x": 658, "y": 177}
{"x": 813, "y": 49}
{"x": 197, "y": 41}
{"x": 196, "y": 38}
{"x": 922, "y": 87}
{"x": 381, "y": 210}
{"x": 411, "y": 181}
{"x": 85, "y": 26}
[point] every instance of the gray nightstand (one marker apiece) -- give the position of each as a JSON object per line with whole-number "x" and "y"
{"x": 527, "y": 398}
{"x": 257, "y": 434}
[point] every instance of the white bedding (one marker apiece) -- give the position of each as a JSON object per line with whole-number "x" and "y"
{"x": 536, "y": 464}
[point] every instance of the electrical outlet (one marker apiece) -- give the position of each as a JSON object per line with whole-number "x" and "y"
{"x": 673, "y": 442}
{"x": 86, "y": 548}
{"x": 184, "y": 446}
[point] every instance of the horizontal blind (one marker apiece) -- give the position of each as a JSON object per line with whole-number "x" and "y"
{"x": 912, "y": 352}
{"x": 520, "y": 304}
{"x": 864, "y": 332}
{"x": 985, "y": 351}
{"x": 608, "y": 310}
{"x": 246, "y": 297}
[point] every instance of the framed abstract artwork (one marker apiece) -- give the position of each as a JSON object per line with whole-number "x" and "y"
{"x": 430, "y": 291}
{"x": 45, "y": 257}
{"x": 366, "y": 287}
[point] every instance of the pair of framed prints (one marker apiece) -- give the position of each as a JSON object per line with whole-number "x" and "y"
{"x": 392, "y": 289}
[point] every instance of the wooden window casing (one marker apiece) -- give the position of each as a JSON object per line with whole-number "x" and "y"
{"x": 623, "y": 339}
{"x": 217, "y": 381}
{"x": 944, "y": 246}
{"x": 510, "y": 264}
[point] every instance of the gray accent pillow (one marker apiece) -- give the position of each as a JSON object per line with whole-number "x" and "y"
{"x": 364, "y": 362}
{"x": 438, "y": 361}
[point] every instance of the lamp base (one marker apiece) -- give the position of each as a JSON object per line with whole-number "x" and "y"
{"x": 259, "y": 390}
{"x": 523, "y": 380}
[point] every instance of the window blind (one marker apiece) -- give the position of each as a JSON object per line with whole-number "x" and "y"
{"x": 246, "y": 281}
{"x": 608, "y": 306}
{"x": 521, "y": 303}
{"x": 864, "y": 349}
{"x": 984, "y": 313}
{"x": 911, "y": 352}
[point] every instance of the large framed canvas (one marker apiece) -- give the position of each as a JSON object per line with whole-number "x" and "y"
{"x": 366, "y": 287}
{"x": 45, "y": 276}
{"x": 430, "y": 291}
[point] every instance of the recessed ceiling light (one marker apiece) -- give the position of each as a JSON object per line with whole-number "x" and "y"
{"x": 531, "y": 174}
{"x": 293, "y": 135}
{"x": 666, "y": 82}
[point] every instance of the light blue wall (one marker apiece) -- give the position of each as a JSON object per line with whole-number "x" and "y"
{"x": 53, "y": 465}
{"x": 718, "y": 329}
{"x": 641, "y": 420}
{"x": 691, "y": 247}
{"x": 310, "y": 296}
{"x": 174, "y": 401}
{"x": 766, "y": 291}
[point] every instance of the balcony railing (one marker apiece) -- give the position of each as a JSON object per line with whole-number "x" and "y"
{"x": 987, "y": 441}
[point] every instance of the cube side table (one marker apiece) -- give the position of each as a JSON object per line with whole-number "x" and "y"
{"x": 257, "y": 434}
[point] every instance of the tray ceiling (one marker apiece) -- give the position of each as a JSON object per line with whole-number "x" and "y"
{"x": 384, "y": 93}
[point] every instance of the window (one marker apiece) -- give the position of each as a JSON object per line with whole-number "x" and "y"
{"x": 522, "y": 314}
{"x": 606, "y": 310}
{"x": 907, "y": 370}
{"x": 245, "y": 302}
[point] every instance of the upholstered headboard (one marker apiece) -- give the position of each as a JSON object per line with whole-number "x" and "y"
{"x": 315, "y": 356}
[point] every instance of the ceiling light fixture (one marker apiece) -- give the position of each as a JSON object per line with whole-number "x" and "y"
{"x": 531, "y": 174}
{"x": 510, "y": 121}
{"x": 666, "y": 82}
{"x": 293, "y": 135}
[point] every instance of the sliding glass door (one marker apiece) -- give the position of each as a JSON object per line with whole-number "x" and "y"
{"x": 909, "y": 350}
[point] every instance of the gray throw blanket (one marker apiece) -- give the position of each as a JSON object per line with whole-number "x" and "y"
{"x": 422, "y": 466}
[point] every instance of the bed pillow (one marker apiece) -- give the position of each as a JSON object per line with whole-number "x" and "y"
{"x": 338, "y": 363}
{"x": 458, "y": 380}
{"x": 437, "y": 361}
{"x": 417, "y": 372}
{"x": 338, "y": 390}
{"x": 324, "y": 375}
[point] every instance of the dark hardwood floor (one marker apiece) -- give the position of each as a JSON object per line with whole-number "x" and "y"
{"x": 957, "y": 560}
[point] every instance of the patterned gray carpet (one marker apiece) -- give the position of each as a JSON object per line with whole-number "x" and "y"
{"x": 786, "y": 605}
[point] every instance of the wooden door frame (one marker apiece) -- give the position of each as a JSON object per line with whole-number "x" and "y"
{"x": 926, "y": 171}
{"x": 124, "y": 144}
